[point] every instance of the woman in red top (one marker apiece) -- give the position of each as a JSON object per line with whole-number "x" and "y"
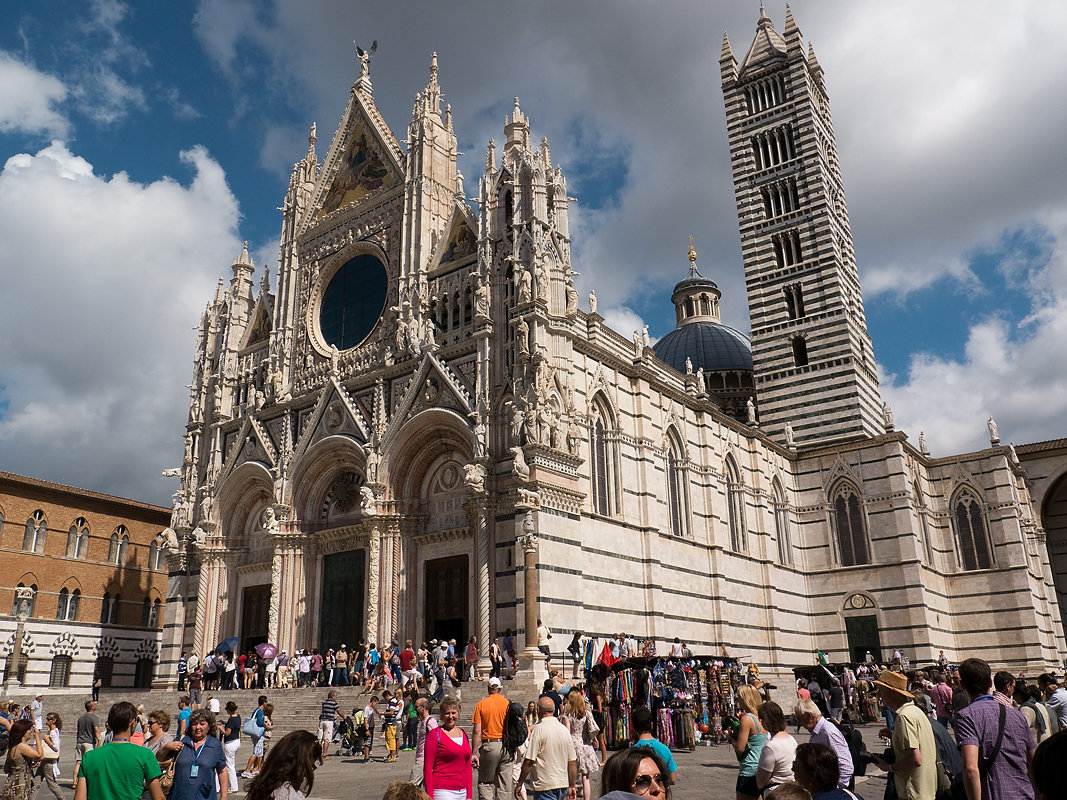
{"x": 470, "y": 659}
{"x": 447, "y": 768}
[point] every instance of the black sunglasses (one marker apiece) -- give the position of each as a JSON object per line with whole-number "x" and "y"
{"x": 644, "y": 782}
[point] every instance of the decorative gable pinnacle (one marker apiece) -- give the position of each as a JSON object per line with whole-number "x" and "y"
{"x": 363, "y": 83}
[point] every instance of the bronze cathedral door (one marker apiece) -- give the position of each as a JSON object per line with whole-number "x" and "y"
{"x": 446, "y": 585}
{"x": 341, "y": 603}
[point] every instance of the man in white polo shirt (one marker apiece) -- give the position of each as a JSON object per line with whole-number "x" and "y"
{"x": 550, "y": 754}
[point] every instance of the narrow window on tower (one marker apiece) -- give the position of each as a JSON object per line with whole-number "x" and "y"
{"x": 800, "y": 351}
{"x": 790, "y": 302}
{"x": 798, "y": 296}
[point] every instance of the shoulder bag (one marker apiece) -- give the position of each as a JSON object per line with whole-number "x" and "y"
{"x": 957, "y": 791}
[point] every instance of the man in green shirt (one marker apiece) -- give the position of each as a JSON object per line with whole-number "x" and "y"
{"x": 120, "y": 770}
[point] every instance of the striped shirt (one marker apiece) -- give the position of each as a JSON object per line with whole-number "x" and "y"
{"x": 329, "y": 710}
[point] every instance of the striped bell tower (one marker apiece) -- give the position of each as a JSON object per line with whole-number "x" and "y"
{"x": 812, "y": 355}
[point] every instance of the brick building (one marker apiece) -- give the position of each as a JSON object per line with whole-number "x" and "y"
{"x": 98, "y": 579}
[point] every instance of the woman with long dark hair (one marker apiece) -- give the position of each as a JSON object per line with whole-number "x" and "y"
{"x": 288, "y": 771}
{"x": 21, "y": 756}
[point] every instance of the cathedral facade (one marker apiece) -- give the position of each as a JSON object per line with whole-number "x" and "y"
{"x": 419, "y": 433}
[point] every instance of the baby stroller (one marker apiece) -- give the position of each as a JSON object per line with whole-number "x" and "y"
{"x": 349, "y": 736}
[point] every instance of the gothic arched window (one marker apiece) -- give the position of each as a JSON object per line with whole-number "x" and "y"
{"x": 781, "y": 525}
{"x": 971, "y": 536}
{"x": 120, "y": 546}
{"x": 78, "y": 539}
{"x": 677, "y": 483}
{"x": 67, "y": 609}
{"x": 603, "y": 460}
{"x": 36, "y": 533}
{"x": 735, "y": 501}
{"x": 109, "y": 609}
{"x": 153, "y": 616}
{"x": 851, "y": 533}
{"x": 146, "y": 612}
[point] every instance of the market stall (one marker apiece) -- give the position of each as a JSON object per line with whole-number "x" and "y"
{"x": 692, "y": 699}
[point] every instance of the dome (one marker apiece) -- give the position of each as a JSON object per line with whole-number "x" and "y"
{"x": 708, "y": 345}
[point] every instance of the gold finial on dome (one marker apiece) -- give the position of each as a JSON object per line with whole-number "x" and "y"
{"x": 692, "y": 252}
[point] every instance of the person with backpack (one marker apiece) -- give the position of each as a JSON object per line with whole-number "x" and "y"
{"x": 427, "y": 722}
{"x": 494, "y": 767}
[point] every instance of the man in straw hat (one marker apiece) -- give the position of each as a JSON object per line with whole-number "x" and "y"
{"x": 915, "y": 768}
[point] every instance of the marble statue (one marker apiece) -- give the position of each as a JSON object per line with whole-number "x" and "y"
{"x": 789, "y": 439}
{"x": 750, "y": 411}
{"x": 922, "y": 444}
{"x": 994, "y": 434}
{"x": 268, "y": 521}
{"x": 474, "y": 477}
{"x": 592, "y": 302}
{"x": 367, "y": 501}
{"x": 519, "y": 468}
{"x": 172, "y": 472}
{"x": 688, "y": 365}
{"x": 887, "y": 416}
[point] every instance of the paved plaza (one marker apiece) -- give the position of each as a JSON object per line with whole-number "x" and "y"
{"x": 708, "y": 773}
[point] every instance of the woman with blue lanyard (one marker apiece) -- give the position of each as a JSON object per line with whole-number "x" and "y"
{"x": 200, "y": 761}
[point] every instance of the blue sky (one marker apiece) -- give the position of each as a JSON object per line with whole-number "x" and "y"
{"x": 143, "y": 142}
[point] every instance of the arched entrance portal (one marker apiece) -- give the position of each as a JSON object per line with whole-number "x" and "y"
{"x": 446, "y": 585}
{"x": 1054, "y": 521}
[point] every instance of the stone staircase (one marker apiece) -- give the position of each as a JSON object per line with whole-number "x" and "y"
{"x": 293, "y": 708}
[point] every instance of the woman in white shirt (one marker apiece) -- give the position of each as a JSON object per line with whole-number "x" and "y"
{"x": 776, "y": 758}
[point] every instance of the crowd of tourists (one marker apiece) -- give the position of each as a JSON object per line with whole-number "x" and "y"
{"x": 991, "y": 737}
{"x": 364, "y": 665}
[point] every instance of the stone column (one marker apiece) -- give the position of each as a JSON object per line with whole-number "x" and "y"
{"x": 374, "y": 559}
{"x": 286, "y": 626}
{"x": 478, "y": 516}
{"x": 212, "y": 596}
{"x": 527, "y": 541}
{"x": 176, "y": 608}
{"x": 23, "y": 597}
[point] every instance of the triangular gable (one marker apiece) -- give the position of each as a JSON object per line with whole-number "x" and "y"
{"x": 364, "y": 158}
{"x": 461, "y": 241}
{"x": 450, "y": 394}
{"x": 841, "y": 470}
{"x": 259, "y": 331}
{"x": 335, "y": 413}
{"x": 254, "y": 445}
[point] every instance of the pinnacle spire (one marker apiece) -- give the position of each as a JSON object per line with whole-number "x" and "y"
{"x": 727, "y": 51}
{"x": 790, "y": 23}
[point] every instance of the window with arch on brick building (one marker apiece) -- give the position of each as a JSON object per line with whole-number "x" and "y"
{"x": 67, "y": 608}
{"x": 36, "y": 532}
{"x": 78, "y": 539}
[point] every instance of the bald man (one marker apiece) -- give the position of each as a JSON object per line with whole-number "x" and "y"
{"x": 551, "y": 756}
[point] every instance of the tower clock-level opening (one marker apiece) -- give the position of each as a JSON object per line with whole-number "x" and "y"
{"x": 255, "y": 616}
{"x": 341, "y": 612}
{"x": 445, "y": 612}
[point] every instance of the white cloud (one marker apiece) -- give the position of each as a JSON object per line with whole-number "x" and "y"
{"x": 1014, "y": 372}
{"x": 28, "y": 99}
{"x": 108, "y": 276}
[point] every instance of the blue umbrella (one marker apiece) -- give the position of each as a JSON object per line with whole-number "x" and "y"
{"x": 227, "y": 644}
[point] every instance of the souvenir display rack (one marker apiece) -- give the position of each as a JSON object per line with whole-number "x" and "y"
{"x": 691, "y": 699}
